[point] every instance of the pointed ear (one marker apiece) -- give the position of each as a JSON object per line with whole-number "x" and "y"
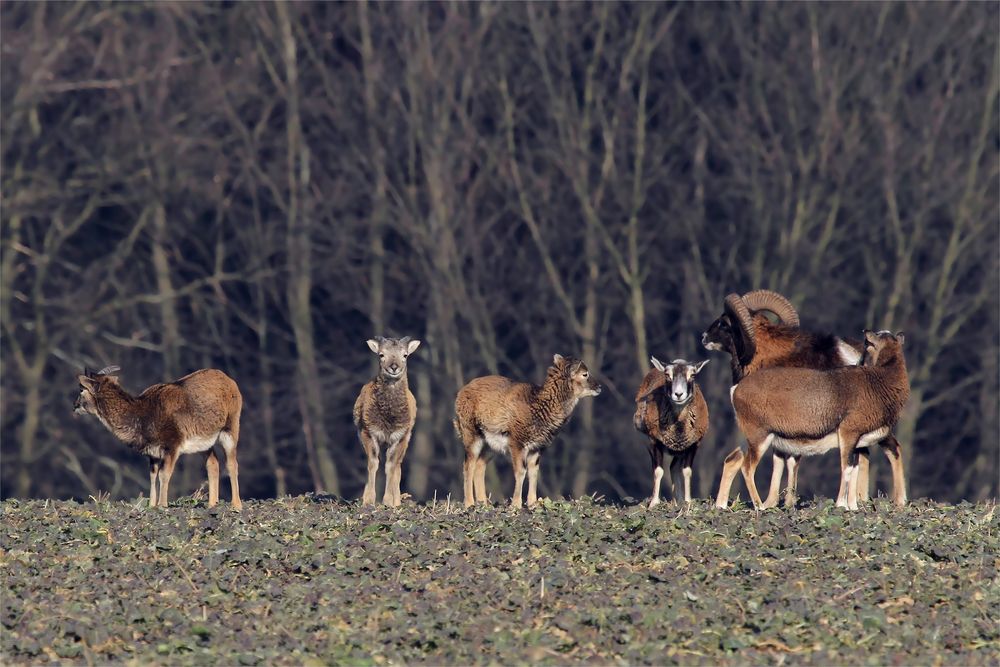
{"x": 657, "y": 364}
{"x": 413, "y": 345}
{"x": 557, "y": 359}
{"x": 900, "y": 337}
{"x": 373, "y": 344}
{"x": 698, "y": 367}
{"x": 871, "y": 336}
{"x": 85, "y": 382}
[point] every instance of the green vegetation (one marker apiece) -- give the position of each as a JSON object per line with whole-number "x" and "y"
{"x": 305, "y": 580}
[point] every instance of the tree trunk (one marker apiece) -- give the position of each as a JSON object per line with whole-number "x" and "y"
{"x": 421, "y": 453}
{"x": 299, "y": 263}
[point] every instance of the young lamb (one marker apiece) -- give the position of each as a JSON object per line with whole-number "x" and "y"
{"x": 384, "y": 415}
{"x": 186, "y": 416}
{"x": 518, "y": 419}
{"x": 671, "y": 410}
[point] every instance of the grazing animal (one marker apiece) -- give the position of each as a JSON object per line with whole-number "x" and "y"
{"x": 186, "y": 416}
{"x": 671, "y": 410}
{"x": 804, "y": 411}
{"x": 384, "y": 415}
{"x": 754, "y": 342}
{"x": 519, "y": 419}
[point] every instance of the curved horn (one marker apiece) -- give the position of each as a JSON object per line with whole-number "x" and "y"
{"x": 108, "y": 370}
{"x": 765, "y": 299}
{"x": 738, "y": 312}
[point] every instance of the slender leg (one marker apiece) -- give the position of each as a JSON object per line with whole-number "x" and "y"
{"x": 390, "y": 476}
{"x": 793, "y": 481}
{"x": 517, "y": 460}
{"x": 687, "y": 462}
{"x": 893, "y": 452}
{"x": 730, "y": 467}
{"x": 404, "y": 444}
{"x": 468, "y": 476}
{"x": 166, "y": 472}
{"x": 212, "y": 466}
{"x": 863, "y": 459}
{"x": 852, "y": 482}
{"x": 848, "y": 472}
{"x": 479, "y": 482}
{"x": 755, "y": 450}
{"x": 473, "y": 444}
{"x": 675, "y": 471}
{"x": 371, "y": 454}
{"x": 532, "y": 461}
{"x": 154, "y": 471}
{"x": 229, "y": 441}
{"x": 777, "y": 471}
{"x": 656, "y": 456}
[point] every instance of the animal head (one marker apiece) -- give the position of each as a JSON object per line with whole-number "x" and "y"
{"x": 735, "y": 331}
{"x": 881, "y": 347}
{"x": 581, "y": 382}
{"x": 678, "y": 375}
{"x": 392, "y": 354}
{"x": 91, "y": 385}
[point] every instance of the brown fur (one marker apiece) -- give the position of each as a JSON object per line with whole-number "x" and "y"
{"x": 670, "y": 427}
{"x": 525, "y": 415}
{"x": 196, "y": 410}
{"x": 775, "y": 346}
{"x": 384, "y": 415}
{"x": 798, "y": 404}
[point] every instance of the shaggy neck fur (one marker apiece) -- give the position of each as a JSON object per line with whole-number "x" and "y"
{"x": 390, "y": 397}
{"x": 118, "y": 411}
{"x": 553, "y": 402}
{"x": 890, "y": 381}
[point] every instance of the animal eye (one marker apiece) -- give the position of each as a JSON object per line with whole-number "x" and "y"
{"x": 586, "y": 374}
{"x": 405, "y": 355}
{"x": 381, "y": 356}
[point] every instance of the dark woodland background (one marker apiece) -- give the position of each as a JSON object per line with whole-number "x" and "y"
{"x": 260, "y": 187}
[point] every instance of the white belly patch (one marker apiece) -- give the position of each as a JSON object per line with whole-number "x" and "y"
{"x": 873, "y": 437}
{"x": 498, "y": 442}
{"x": 198, "y": 444}
{"x": 806, "y": 447}
{"x": 390, "y": 439}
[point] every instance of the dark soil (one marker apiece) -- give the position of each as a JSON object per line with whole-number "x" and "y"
{"x": 304, "y": 580}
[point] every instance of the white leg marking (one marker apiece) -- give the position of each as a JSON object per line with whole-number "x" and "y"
{"x": 657, "y": 477}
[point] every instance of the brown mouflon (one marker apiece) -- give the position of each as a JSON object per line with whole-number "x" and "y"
{"x": 753, "y": 343}
{"x": 519, "y": 419}
{"x": 384, "y": 415}
{"x": 803, "y": 411}
{"x": 671, "y": 410}
{"x": 186, "y": 416}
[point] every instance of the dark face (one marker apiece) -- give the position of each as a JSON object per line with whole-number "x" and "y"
{"x": 392, "y": 354}
{"x": 680, "y": 378}
{"x": 719, "y": 335}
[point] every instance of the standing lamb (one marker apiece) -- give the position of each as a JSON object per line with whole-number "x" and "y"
{"x": 518, "y": 419}
{"x": 671, "y": 410}
{"x": 384, "y": 415}
{"x": 186, "y": 416}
